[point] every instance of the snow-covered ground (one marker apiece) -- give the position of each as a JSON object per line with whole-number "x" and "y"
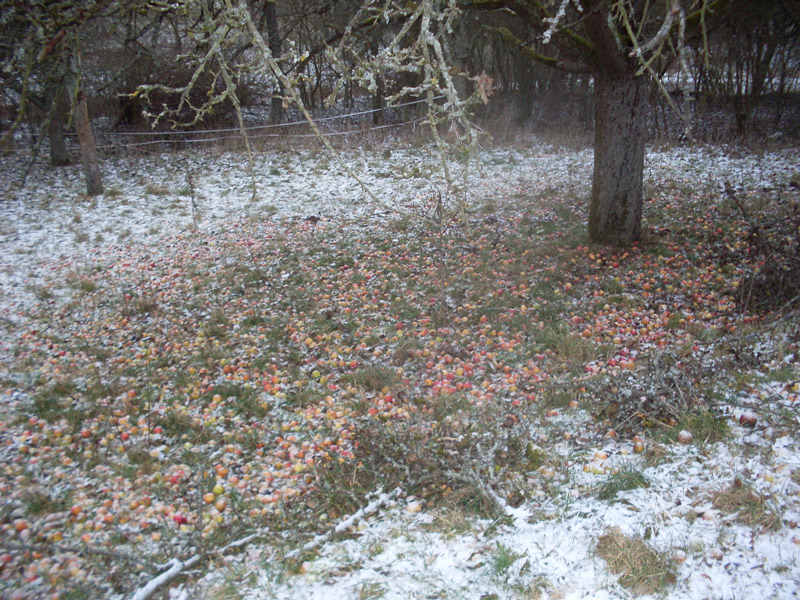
{"x": 403, "y": 552}
{"x": 152, "y": 197}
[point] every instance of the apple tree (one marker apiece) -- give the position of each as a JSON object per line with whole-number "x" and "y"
{"x": 623, "y": 45}
{"x": 40, "y": 55}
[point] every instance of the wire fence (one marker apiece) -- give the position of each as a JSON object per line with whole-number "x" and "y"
{"x": 348, "y": 124}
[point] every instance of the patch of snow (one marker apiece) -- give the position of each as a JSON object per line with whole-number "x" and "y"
{"x": 399, "y": 554}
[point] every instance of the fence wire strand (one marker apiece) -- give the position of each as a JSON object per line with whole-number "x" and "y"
{"x": 192, "y": 136}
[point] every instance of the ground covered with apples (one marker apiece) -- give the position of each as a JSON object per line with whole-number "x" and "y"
{"x": 201, "y": 376}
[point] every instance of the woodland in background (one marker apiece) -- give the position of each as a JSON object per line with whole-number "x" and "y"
{"x": 189, "y": 64}
{"x": 744, "y": 88}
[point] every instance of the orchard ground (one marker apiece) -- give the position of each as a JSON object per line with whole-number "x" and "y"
{"x": 186, "y": 364}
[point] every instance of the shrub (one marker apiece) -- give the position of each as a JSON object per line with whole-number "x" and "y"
{"x": 772, "y": 277}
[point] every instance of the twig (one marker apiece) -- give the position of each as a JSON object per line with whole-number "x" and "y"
{"x": 344, "y": 525}
{"x": 80, "y": 550}
{"x": 176, "y": 567}
{"x": 242, "y": 541}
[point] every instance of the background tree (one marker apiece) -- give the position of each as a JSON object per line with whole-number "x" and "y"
{"x": 620, "y": 43}
{"x": 40, "y": 56}
{"x": 275, "y": 44}
{"x": 751, "y": 57}
{"x": 564, "y": 64}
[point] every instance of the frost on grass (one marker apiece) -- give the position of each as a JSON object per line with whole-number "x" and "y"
{"x": 641, "y": 569}
{"x": 184, "y": 367}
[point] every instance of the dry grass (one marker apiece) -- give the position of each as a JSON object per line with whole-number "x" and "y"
{"x": 749, "y": 507}
{"x": 156, "y": 189}
{"x": 656, "y": 454}
{"x": 373, "y": 378}
{"x": 451, "y": 521}
{"x": 641, "y": 569}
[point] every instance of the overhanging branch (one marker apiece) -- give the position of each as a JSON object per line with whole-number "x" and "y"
{"x": 536, "y": 56}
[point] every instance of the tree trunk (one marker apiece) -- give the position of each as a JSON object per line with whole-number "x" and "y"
{"x": 94, "y": 183}
{"x": 271, "y": 18}
{"x": 378, "y": 102}
{"x": 378, "y": 98}
{"x": 55, "y": 133}
{"x": 615, "y": 210}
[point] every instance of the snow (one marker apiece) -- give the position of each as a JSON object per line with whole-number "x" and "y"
{"x": 401, "y": 555}
{"x": 150, "y": 197}
{"x": 397, "y": 553}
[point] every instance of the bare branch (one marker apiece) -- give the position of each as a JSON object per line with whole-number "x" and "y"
{"x": 175, "y": 568}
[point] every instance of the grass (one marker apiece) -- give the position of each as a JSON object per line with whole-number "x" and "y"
{"x": 446, "y": 405}
{"x": 555, "y": 399}
{"x": 303, "y": 397}
{"x": 49, "y": 403}
{"x": 230, "y": 586}
{"x": 155, "y": 189}
{"x": 742, "y": 380}
{"x": 450, "y": 520}
{"x": 373, "y": 378}
{"x": 138, "y": 305}
{"x": 176, "y": 423}
{"x": 705, "y": 426}
{"x": 41, "y": 502}
{"x": 141, "y": 460}
{"x": 469, "y": 381}
{"x": 502, "y": 559}
{"x": 622, "y": 481}
{"x": 83, "y": 284}
{"x": 405, "y": 352}
{"x": 613, "y": 286}
{"x": 784, "y": 373}
{"x": 474, "y": 502}
{"x": 656, "y": 454}
{"x": 77, "y": 593}
{"x": 42, "y": 293}
{"x": 243, "y": 398}
{"x": 747, "y": 506}
{"x": 641, "y": 569}
{"x": 217, "y": 325}
{"x": 574, "y": 350}
{"x": 368, "y": 591}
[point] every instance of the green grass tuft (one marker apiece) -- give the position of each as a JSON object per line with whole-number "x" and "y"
{"x": 622, "y": 481}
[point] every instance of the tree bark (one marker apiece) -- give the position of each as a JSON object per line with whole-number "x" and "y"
{"x": 271, "y": 19}
{"x": 378, "y": 102}
{"x": 378, "y": 98}
{"x": 94, "y": 183}
{"x": 615, "y": 210}
{"x": 55, "y": 134}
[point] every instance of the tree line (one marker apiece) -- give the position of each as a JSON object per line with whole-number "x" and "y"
{"x": 191, "y": 63}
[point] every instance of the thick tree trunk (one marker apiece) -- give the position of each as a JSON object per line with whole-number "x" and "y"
{"x": 55, "y": 134}
{"x": 378, "y": 99}
{"x": 94, "y": 183}
{"x": 615, "y": 210}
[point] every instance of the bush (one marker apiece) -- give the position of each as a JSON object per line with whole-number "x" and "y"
{"x": 772, "y": 278}
{"x": 475, "y": 456}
